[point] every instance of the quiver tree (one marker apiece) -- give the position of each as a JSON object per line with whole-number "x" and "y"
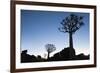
{"x": 50, "y": 48}
{"x": 70, "y": 25}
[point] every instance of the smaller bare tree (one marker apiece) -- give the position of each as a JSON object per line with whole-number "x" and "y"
{"x": 50, "y": 48}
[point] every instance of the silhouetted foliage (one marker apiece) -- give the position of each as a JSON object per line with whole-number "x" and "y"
{"x": 40, "y": 59}
{"x": 70, "y": 25}
{"x": 50, "y": 48}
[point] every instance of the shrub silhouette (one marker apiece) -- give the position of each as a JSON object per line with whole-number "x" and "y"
{"x": 40, "y": 59}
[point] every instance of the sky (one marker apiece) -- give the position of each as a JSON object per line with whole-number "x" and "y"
{"x": 39, "y": 28}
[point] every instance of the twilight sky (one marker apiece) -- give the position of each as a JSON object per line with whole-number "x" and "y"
{"x": 39, "y": 28}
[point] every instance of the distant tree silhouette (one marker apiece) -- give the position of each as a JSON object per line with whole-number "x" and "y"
{"x": 70, "y": 25}
{"x": 50, "y": 48}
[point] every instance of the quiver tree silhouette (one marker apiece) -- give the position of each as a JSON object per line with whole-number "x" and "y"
{"x": 50, "y": 48}
{"x": 70, "y": 25}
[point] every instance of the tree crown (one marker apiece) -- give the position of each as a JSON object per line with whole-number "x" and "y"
{"x": 71, "y": 23}
{"x": 50, "y": 48}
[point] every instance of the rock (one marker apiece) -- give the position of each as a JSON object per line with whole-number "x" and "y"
{"x": 66, "y": 54}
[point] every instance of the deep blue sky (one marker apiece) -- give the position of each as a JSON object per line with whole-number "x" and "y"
{"x": 39, "y": 28}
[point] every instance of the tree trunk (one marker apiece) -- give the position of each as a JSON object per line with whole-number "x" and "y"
{"x": 70, "y": 40}
{"x": 48, "y": 55}
{"x": 71, "y": 53}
